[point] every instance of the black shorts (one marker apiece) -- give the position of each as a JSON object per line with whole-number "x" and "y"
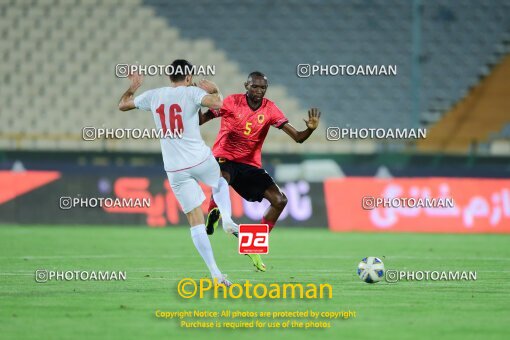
{"x": 248, "y": 181}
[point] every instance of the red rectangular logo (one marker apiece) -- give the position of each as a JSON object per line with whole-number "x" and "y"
{"x": 253, "y": 239}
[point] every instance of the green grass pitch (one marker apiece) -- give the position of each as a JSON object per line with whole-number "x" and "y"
{"x": 156, "y": 259}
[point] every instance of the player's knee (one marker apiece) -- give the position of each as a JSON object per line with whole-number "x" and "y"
{"x": 281, "y": 201}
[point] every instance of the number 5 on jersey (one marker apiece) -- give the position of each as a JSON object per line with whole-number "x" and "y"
{"x": 174, "y": 118}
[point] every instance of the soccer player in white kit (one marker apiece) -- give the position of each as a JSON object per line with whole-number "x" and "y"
{"x": 186, "y": 159}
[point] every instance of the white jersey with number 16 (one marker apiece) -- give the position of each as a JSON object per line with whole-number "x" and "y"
{"x": 175, "y": 110}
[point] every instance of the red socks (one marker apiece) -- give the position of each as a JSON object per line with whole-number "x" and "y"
{"x": 269, "y": 223}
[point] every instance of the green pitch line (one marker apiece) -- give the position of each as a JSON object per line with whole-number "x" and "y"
{"x": 156, "y": 259}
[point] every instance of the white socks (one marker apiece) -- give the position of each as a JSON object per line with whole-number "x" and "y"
{"x": 221, "y": 196}
{"x": 203, "y": 246}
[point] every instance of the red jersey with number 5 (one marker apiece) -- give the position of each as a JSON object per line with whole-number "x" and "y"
{"x": 243, "y": 131}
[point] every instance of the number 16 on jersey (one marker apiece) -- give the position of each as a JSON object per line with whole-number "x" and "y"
{"x": 253, "y": 239}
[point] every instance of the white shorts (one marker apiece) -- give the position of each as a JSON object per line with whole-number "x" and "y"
{"x": 185, "y": 185}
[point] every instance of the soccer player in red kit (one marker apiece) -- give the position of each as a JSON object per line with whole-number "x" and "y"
{"x": 245, "y": 122}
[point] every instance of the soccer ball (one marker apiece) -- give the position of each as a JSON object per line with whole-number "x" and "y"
{"x": 371, "y": 269}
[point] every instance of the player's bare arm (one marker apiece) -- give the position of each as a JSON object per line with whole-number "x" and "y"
{"x": 209, "y": 87}
{"x": 127, "y": 101}
{"x": 213, "y": 89}
{"x": 312, "y": 123}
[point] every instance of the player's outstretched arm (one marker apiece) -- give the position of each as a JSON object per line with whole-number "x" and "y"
{"x": 127, "y": 101}
{"x": 312, "y": 123}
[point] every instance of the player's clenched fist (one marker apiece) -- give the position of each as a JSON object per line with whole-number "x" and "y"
{"x": 314, "y": 116}
{"x": 208, "y": 86}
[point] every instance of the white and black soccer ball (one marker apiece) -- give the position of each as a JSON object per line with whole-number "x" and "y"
{"x": 371, "y": 269}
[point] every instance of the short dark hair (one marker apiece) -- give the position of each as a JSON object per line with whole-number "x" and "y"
{"x": 256, "y": 74}
{"x": 181, "y": 68}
